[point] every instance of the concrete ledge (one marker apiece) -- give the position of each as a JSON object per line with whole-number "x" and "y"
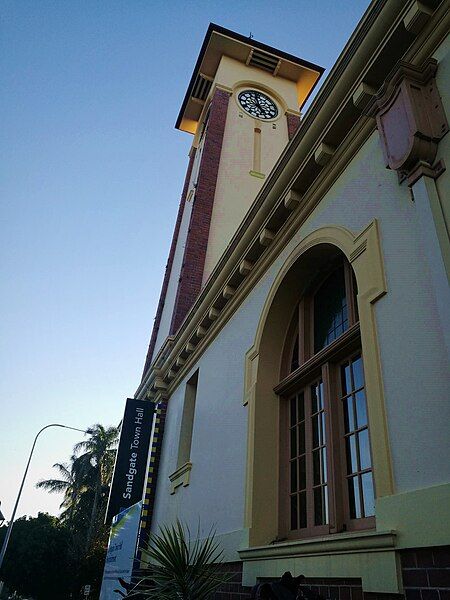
{"x": 341, "y": 542}
{"x": 369, "y": 556}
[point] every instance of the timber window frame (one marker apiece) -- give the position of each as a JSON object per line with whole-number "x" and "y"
{"x": 320, "y": 492}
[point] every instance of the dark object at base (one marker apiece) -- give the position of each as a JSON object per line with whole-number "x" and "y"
{"x": 287, "y": 588}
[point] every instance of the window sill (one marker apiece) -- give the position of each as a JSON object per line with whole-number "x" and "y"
{"x": 180, "y": 477}
{"x": 330, "y": 544}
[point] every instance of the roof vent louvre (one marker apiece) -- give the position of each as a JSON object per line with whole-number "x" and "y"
{"x": 201, "y": 87}
{"x": 265, "y": 61}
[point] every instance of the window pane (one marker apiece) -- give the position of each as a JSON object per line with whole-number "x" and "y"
{"x": 317, "y": 479}
{"x": 324, "y": 465}
{"x": 302, "y": 473}
{"x": 293, "y": 411}
{"x": 330, "y": 310}
{"x": 294, "y": 513}
{"x": 369, "y": 500}
{"x": 315, "y": 407}
{"x": 348, "y": 415}
{"x": 294, "y": 358}
{"x": 353, "y": 498}
{"x": 319, "y": 466}
{"x": 323, "y": 435}
{"x": 346, "y": 380}
{"x": 301, "y": 406}
{"x": 350, "y": 448}
{"x": 293, "y": 442}
{"x": 320, "y": 505}
{"x": 358, "y": 376}
{"x": 364, "y": 450}
{"x": 317, "y": 397}
{"x": 316, "y": 431}
{"x": 301, "y": 438}
{"x": 302, "y": 500}
{"x": 293, "y": 476}
{"x": 361, "y": 409}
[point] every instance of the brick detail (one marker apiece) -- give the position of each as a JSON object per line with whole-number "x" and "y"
{"x": 335, "y": 588}
{"x": 233, "y": 590}
{"x": 341, "y": 588}
{"x": 293, "y": 121}
{"x": 168, "y": 271}
{"x": 426, "y": 573}
{"x": 197, "y": 240}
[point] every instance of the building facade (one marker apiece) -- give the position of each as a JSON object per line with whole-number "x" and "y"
{"x": 299, "y": 358}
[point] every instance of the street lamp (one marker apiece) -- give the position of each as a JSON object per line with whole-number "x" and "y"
{"x": 10, "y": 525}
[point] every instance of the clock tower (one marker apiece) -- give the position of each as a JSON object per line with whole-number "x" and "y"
{"x": 242, "y": 106}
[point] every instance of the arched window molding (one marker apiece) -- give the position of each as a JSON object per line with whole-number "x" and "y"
{"x": 263, "y": 364}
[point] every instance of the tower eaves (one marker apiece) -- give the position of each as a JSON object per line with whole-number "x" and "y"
{"x": 220, "y": 41}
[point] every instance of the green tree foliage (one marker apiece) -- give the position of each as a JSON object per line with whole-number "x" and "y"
{"x": 37, "y": 562}
{"x": 84, "y": 483}
{"x": 99, "y": 451}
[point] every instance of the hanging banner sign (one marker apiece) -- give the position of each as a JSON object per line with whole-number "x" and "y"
{"x": 132, "y": 454}
{"x": 121, "y": 551}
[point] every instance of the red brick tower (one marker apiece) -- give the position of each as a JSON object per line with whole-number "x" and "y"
{"x": 242, "y": 107}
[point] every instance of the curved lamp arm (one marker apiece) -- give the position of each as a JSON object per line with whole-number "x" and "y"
{"x": 11, "y": 522}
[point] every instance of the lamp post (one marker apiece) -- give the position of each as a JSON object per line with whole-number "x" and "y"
{"x": 11, "y": 522}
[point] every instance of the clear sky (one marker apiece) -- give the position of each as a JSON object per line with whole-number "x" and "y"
{"x": 91, "y": 173}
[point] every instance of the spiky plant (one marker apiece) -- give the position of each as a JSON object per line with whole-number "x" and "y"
{"x": 179, "y": 567}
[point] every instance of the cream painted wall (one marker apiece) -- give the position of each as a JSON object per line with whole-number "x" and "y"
{"x": 236, "y": 187}
{"x": 414, "y": 366}
{"x": 231, "y": 73}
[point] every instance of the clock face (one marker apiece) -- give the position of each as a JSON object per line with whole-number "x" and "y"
{"x": 258, "y": 105}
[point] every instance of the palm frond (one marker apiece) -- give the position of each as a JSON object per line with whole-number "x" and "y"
{"x": 53, "y": 485}
{"x": 64, "y": 470}
{"x": 181, "y": 568}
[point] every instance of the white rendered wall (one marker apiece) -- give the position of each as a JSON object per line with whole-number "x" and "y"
{"x": 414, "y": 365}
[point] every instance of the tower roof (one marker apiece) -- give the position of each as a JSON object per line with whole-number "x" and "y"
{"x": 220, "y": 41}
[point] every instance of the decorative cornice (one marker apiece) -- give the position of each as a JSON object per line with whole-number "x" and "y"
{"x": 417, "y": 17}
{"x": 266, "y": 238}
{"x": 292, "y": 200}
{"x": 324, "y": 154}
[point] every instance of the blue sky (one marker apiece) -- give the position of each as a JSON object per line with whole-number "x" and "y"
{"x": 90, "y": 179}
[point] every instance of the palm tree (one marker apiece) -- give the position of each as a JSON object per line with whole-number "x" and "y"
{"x": 99, "y": 450}
{"x": 72, "y": 483}
{"x": 85, "y": 480}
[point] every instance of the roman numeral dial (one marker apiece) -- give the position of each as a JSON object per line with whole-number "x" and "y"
{"x": 258, "y": 105}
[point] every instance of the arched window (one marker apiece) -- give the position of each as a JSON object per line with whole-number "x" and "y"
{"x": 326, "y": 482}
